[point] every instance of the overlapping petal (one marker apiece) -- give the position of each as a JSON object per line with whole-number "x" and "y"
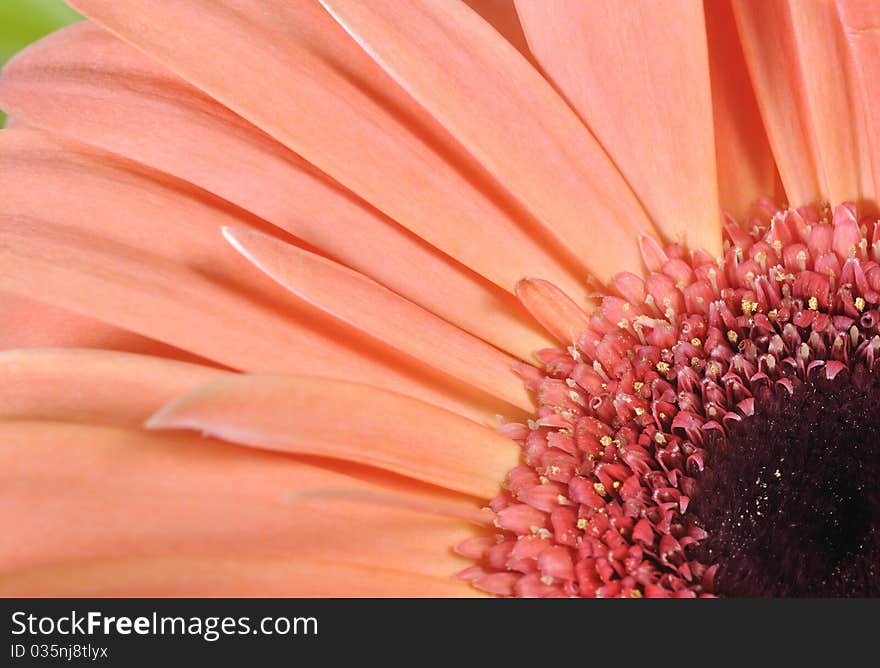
{"x": 515, "y": 125}
{"x": 647, "y": 99}
{"x": 163, "y": 270}
{"x": 320, "y": 95}
{"x": 198, "y": 499}
{"x": 745, "y": 165}
{"x": 350, "y": 422}
{"x": 93, "y": 386}
{"x": 378, "y": 312}
{"x": 86, "y": 84}
{"x": 813, "y": 110}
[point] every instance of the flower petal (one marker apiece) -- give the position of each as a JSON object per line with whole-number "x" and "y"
{"x": 174, "y": 282}
{"x": 503, "y": 17}
{"x": 861, "y": 26}
{"x": 186, "y": 495}
{"x": 321, "y": 96}
{"x": 498, "y": 106}
{"x": 92, "y": 386}
{"x": 84, "y": 83}
{"x": 375, "y": 310}
{"x": 553, "y": 309}
{"x": 348, "y": 421}
{"x": 231, "y": 576}
{"x": 638, "y": 75}
{"x": 768, "y": 38}
{"x": 836, "y": 106}
{"x": 745, "y": 165}
{"x": 25, "y": 323}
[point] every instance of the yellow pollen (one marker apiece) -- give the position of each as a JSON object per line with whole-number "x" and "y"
{"x": 813, "y": 304}
{"x": 615, "y": 484}
{"x": 582, "y": 524}
{"x": 696, "y": 343}
{"x": 777, "y": 473}
{"x": 749, "y": 307}
{"x": 772, "y": 314}
{"x": 600, "y": 489}
{"x": 732, "y": 336}
{"x": 662, "y": 367}
{"x": 640, "y": 411}
{"x": 635, "y": 593}
{"x": 860, "y": 304}
{"x": 638, "y": 385}
{"x": 605, "y": 440}
{"x": 660, "y": 438}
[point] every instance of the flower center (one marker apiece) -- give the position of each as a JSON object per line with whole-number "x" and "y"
{"x": 805, "y": 520}
{"x": 713, "y": 432}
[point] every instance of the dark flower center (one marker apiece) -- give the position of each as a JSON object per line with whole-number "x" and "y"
{"x": 791, "y": 500}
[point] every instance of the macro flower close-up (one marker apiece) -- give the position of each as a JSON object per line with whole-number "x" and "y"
{"x": 442, "y": 298}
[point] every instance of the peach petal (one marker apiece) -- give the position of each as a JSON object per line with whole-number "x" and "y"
{"x": 551, "y": 307}
{"x": 375, "y": 310}
{"x": 860, "y": 20}
{"x": 178, "y": 496}
{"x": 92, "y": 386}
{"x": 84, "y": 83}
{"x": 637, "y": 73}
{"x": 25, "y": 323}
{"x": 320, "y": 95}
{"x": 768, "y": 40}
{"x": 515, "y": 125}
{"x": 836, "y": 107}
{"x": 348, "y": 421}
{"x": 504, "y": 18}
{"x": 745, "y": 165}
{"x": 178, "y": 283}
{"x": 230, "y": 576}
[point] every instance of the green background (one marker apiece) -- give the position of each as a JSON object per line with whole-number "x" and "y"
{"x": 25, "y": 21}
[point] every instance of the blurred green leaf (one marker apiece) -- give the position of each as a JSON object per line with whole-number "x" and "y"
{"x": 26, "y": 21}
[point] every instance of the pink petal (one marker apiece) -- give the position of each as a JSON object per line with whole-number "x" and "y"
{"x": 234, "y": 575}
{"x": 553, "y": 309}
{"x": 860, "y": 21}
{"x": 745, "y": 165}
{"x": 498, "y": 106}
{"x": 64, "y": 500}
{"x": 836, "y": 106}
{"x": 375, "y": 310}
{"x": 350, "y": 422}
{"x": 637, "y": 73}
{"x": 84, "y": 83}
{"x": 92, "y": 386}
{"x": 768, "y": 39}
{"x": 320, "y": 95}
{"x": 168, "y": 274}
{"x": 25, "y": 323}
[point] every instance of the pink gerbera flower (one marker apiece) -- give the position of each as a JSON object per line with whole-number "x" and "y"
{"x": 436, "y": 298}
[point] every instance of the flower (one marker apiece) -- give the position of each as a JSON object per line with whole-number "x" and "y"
{"x": 296, "y": 290}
